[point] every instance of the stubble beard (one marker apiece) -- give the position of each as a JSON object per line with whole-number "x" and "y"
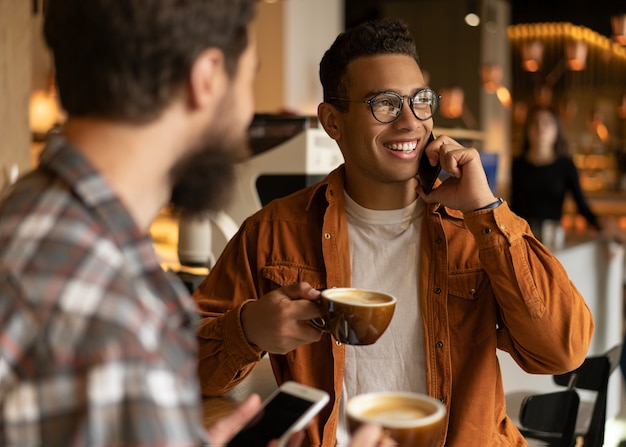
{"x": 203, "y": 180}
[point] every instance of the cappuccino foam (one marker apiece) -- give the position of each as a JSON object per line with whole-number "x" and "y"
{"x": 393, "y": 411}
{"x": 397, "y": 410}
{"x": 358, "y": 297}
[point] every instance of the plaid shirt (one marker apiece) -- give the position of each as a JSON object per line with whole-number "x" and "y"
{"x": 97, "y": 342}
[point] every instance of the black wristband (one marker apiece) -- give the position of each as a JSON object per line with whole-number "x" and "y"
{"x": 495, "y": 204}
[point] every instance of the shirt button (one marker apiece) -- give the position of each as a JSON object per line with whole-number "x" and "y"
{"x": 439, "y": 345}
{"x": 438, "y": 240}
{"x": 327, "y": 235}
{"x": 437, "y": 290}
{"x": 338, "y": 343}
{"x": 503, "y": 226}
{"x": 487, "y": 230}
{"x": 472, "y": 292}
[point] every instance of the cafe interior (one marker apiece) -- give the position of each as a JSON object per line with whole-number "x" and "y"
{"x": 491, "y": 61}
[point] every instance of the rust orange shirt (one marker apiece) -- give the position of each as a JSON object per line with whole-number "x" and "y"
{"x": 485, "y": 283}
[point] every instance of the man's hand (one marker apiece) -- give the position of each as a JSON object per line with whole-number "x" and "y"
{"x": 279, "y": 321}
{"x": 467, "y": 189}
{"x": 222, "y": 430}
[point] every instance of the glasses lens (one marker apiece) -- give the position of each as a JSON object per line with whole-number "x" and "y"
{"x": 386, "y": 107}
{"x": 425, "y": 103}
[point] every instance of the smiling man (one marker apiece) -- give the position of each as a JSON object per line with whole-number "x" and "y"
{"x": 468, "y": 275}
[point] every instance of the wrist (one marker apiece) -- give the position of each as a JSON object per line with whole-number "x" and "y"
{"x": 491, "y": 205}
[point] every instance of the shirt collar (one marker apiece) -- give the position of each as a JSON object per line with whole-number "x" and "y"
{"x": 66, "y": 162}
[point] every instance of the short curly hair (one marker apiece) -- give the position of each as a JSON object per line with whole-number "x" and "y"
{"x": 382, "y": 36}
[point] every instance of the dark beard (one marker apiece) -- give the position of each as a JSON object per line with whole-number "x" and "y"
{"x": 203, "y": 180}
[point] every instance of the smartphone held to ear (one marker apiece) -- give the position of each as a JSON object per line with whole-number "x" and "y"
{"x": 288, "y": 410}
{"x": 426, "y": 173}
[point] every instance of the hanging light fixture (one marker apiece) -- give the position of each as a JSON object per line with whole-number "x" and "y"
{"x": 491, "y": 75}
{"x": 472, "y": 16}
{"x": 576, "y": 55}
{"x": 532, "y": 55}
{"x": 451, "y": 104}
{"x": 618, "y": 23}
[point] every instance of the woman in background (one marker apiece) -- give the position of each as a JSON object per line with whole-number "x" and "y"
{"x": 543, "y": 174}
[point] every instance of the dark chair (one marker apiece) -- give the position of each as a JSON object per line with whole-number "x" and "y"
{"x": 548, "y": 417}
{"x": 594, "y": 375}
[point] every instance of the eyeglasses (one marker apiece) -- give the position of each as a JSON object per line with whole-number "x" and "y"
{"x": 387, "y": 107}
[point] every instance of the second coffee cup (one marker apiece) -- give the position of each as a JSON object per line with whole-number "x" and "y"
{"x": 355, "y": 316}
{"x": 408, "y": 419}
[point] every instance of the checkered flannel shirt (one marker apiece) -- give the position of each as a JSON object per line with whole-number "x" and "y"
{"x": 97, "y": 342}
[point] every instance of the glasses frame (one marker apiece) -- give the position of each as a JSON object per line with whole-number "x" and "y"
{"x": 411, "y": 98}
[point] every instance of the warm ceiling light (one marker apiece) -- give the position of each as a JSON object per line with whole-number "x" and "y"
{"x": 532, "y": 54}
{"x": 491, "y": 75}
{"x": 576, "y": 54}
{"x": 472, "y": 17}
{"x": 451, "y": 104}
{"x": 504, "y": 96}
{"x": 44, "y": 111}
{"x": 618, "y": 23}
{"x": 596, "y": 124}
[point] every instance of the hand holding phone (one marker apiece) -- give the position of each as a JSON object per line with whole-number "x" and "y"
{"x": 426, "y": 173}
{"x": 288, "y": 410}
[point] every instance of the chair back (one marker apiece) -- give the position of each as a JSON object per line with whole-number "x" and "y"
{"x": 551, "y": 417}
{"x": 594, "y": 375}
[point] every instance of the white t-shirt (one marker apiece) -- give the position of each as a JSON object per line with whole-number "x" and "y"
{"x": 384, "y": 255}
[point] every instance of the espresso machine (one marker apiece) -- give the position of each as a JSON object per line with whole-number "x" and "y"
{"x": 288, "y": 154}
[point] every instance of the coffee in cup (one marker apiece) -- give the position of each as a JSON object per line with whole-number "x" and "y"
{"x": 355, "y": 316}
{"x": 408, "y": 419}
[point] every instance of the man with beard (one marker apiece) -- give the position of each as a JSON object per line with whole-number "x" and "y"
{"x": 97, "y": 342}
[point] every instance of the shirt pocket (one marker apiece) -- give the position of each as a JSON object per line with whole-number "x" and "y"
{"x": 472, "y": 311}
{"x": 279, "y": 275}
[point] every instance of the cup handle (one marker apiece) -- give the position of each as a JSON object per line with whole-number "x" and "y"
{"x": 319, "y": 323}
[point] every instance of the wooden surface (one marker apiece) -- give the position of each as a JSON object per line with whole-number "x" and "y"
{"x": 261, "y": 381}
{"x": 15, "y": 84}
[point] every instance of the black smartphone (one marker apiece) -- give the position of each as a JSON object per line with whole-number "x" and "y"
{"x": 288, "y": 410}
{"x": 426, "y": 173}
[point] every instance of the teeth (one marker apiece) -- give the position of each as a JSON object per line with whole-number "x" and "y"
{"x": 405, "y": 147}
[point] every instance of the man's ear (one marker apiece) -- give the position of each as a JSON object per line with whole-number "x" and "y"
{"x": 330, "y": 119}
{"x": 207, "y": 78}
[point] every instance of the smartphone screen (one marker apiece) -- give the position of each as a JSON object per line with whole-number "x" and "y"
{"x": 273, "y": 420}
{"x": 426, "y": 173}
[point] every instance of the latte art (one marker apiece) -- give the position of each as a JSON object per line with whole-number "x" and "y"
{"x": 358, "y": 297}
{"x": 384, "y": 416}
